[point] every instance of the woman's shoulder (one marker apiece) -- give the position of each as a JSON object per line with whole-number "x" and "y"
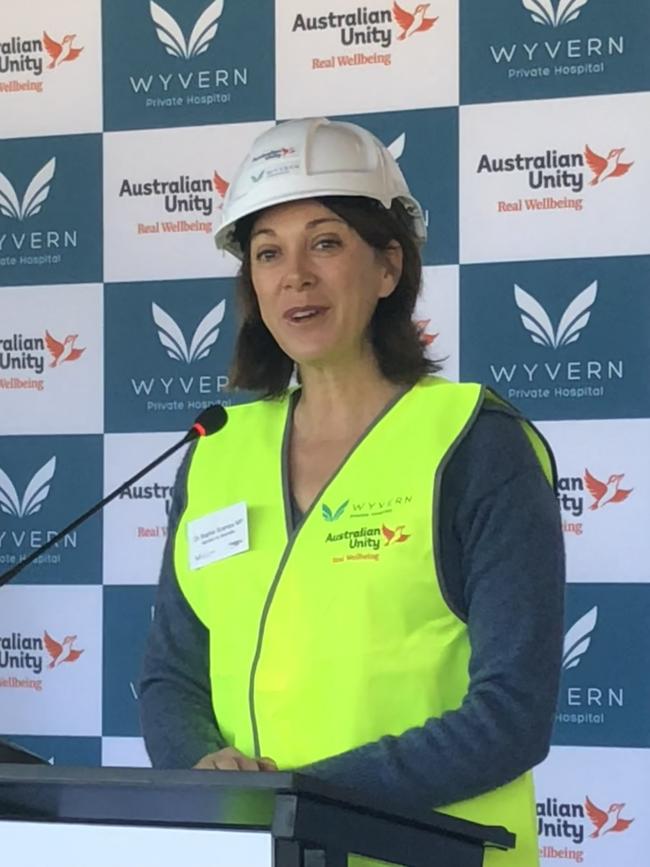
{"x": 494, "y": 450}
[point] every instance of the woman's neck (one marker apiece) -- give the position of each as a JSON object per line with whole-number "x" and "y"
{"x": 338, "y": 403}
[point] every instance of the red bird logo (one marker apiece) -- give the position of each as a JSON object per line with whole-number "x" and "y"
{"x": 60, "y": 51}
{"x": 606, "y": 492}
{"x": 394, "y": 536}
{"x": 606, "y": 821}
{"x": 606, "y": 167}
{"x": 220, "y": 184}
{"x": 426, "y": 339}
{"x": 63, "y": 652}
{"x": 65, "y": 351}
{"x": 412, "y": 23}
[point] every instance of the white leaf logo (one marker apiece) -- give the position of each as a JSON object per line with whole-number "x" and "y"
{"x": 574, "y": 319}
{"x": 578, "y": 639}
{"x": 35, "y": 494}
{"x": 173, "y": 339}
{"x": 542, "y": 11}
{"x": 207, "y": 332}
{"x": 35, "y": 194}
{"x": 396, "y": 148}
{"x": 171, "y": 35}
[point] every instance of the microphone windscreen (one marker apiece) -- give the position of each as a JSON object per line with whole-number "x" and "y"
{"x": 210, "y": 421}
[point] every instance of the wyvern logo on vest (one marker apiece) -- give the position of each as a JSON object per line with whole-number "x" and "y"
{"x": 191, "y": 197}
{"x": 24, "y": 657}
{"x": 27, "y": 61}
{"x": 560, "y": 176}
{"x": 563, "y": 824}
{"x": 26, "y": 361}
{"x": 187, "y": 61}
{"x": 579, "y": 495}
{"x": 178, "y": 349}
{"x": 369, "y": 32}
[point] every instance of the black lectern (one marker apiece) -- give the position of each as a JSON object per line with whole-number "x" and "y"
{"x": 218, "y": 819}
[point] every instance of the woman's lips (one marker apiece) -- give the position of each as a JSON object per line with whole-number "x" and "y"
{"x": 306, "y": 313}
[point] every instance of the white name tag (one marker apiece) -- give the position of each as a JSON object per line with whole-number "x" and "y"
{"x": 217, "y": 536}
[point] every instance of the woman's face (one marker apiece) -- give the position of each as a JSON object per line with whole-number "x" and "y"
{"x": 317, "y": 281}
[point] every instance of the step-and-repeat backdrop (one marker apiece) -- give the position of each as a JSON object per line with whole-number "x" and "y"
{"x": 523, "y": 126}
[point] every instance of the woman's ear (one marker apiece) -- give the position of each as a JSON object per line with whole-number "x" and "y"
{"x": 393, "y": 260}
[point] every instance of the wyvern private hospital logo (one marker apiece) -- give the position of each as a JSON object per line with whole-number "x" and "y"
{"x": 556, "y": 174}
{"x": 563, "y": 12}
{"x": 34, "y": 495}
{"x": 34, "y": 196}
{"x": 366, "y": 29}
{"x": 204, "y": 337}
{"x": 560, "y": 43}
{"x": 26, "y": 360}
{"x": 172, "y": 37}
{"x": 563, "y": 360}
{"x": 578, "y": 639}
{"x": 28, "y": 60}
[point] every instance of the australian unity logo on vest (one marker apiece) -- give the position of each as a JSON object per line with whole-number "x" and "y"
{"x": 371, "y": 34}
{"x": 24, "y": 658}
{"x": 555, "y": 180}
{"x": 375, "y": 527}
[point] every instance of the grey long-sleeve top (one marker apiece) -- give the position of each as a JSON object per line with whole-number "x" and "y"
{"x": 502, "y": 559}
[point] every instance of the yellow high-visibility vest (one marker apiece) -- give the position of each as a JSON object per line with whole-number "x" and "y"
{"x": 330, "y": 636}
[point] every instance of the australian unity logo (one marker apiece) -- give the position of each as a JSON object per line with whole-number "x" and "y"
{"x": 29, "y": 357}
{"x": 181, "y": 195}
{"x": 561, "y": 824}
{"x": 24, "y": 656}
{"x": 188, "y": 85}
{"x": 554, "y": 170}
{"x": 561, "y": 376}
{"x": 29, "y": 58}
{"x": 575, "y": 493}
{"x": 363, "y": 27}
{"x": 559, "y": 46}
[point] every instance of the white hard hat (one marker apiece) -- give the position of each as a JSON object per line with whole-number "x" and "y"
{"x": 302, "y": 159}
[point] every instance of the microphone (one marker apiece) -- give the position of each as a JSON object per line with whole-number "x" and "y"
{"x": 208, "y": 422}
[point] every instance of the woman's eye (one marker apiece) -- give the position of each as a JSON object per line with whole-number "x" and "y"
{"x": 264, "y": 255}
{"x": 327, "y": 243}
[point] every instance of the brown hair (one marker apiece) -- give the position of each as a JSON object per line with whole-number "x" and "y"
{"x": 260, "y": 365}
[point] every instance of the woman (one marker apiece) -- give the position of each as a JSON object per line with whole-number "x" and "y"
{"x": 393, "y": 622}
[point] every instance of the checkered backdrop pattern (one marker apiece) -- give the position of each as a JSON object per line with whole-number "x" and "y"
{"x": 523, "y": 127}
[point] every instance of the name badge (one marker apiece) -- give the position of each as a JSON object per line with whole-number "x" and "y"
{"x": 218, "y": 535}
